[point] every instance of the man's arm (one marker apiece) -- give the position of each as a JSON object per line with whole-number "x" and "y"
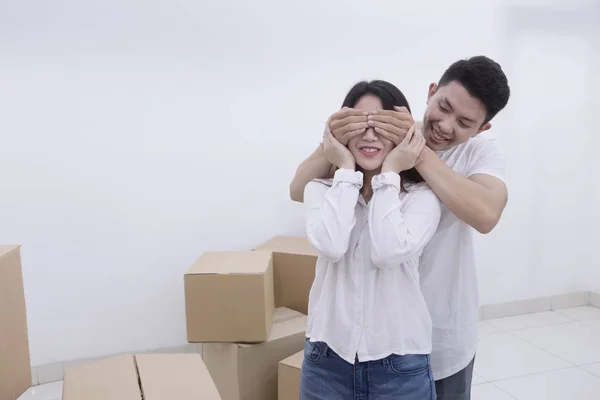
{"x": 478, "y": 200}
{"x": 314, "y": 167}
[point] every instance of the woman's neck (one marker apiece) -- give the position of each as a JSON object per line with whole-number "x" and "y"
{"x": 367, "y": 190}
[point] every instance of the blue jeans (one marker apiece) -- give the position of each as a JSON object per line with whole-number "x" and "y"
{"x": 326, "y": 376}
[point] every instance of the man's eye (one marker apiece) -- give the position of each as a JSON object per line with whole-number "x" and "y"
{"x": 443, "y": 109}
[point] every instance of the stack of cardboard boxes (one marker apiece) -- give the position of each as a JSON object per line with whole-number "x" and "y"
{"x": 248, "y": 309}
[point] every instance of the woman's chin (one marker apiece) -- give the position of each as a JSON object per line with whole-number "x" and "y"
{"x": 368, "y": 164}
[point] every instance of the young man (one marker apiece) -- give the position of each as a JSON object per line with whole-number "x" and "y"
{"x": 467, "y": 174}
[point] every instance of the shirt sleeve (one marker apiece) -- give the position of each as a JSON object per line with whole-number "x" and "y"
{"x": 488, "y": 159}
{"x": 400, "y": 229}
{"x": 331, "y": 213}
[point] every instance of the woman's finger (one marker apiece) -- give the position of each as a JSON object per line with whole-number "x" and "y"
{"x": 419, "y": 141}
{"x": 408, "y": 136}
{"x": 345, "y": 138}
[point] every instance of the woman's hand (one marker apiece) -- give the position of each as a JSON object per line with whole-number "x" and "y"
{"x": 337, "y": 153}
{"x": 406, "y": 155}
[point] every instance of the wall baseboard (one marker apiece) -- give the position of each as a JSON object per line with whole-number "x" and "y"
{"x": 540, "y": 304}
{"x": 55, "y": 371}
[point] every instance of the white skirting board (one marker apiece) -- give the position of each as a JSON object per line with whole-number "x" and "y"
{"x": 54, "y": 372}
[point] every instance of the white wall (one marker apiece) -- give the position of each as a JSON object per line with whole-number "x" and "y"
{"x": 136, "y": 136}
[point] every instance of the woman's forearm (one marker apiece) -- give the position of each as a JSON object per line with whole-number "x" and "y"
{"x": 315, "y": 166}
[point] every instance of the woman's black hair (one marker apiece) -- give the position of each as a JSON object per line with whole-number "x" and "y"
{"x": 390, "y": 96}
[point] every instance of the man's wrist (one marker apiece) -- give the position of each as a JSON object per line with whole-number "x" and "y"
{"x": 425, "y": 157}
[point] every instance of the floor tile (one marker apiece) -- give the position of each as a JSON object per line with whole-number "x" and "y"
{"x": 593, "y": 368}
{"x": 528, "y": 321}
{"x": 595, "y": 323}
{"x": 477, "y": 380}
{"x": 49, "y": 391}
{"x": 485, "y": 328}
{"x": 505, "y": 356}
{"x": 575, "y": 342}
{"x": 572, "y": 383}
{"x": 581, "y": 313}
{"x": 489, "y": 392}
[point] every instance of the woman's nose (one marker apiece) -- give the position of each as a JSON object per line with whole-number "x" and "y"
{"x": 370, "y": 135}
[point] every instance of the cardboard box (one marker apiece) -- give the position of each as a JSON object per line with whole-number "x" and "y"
{"x": 249, "y": 372}
{"x": 294, "y": 263}
{"x": 15, "y": 367}
{"x": 289, "y": 377}
{"x": 142, "y": 376}
{"x": 229, "y": 297}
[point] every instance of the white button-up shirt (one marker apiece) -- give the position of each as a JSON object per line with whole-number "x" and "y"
{"x": 365, "y": 300}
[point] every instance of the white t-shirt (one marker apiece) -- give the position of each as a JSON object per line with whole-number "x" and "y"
{"x": 447, "y": 268}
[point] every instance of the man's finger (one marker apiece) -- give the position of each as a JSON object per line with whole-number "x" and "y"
{"x": 401, "y": 123}
{"x": 337, "y": 123}
{"x": 389, "y": 136}
{"x": 401, "y": 109}
{"x": 347, "y": 112}
{"x": 392, "y": 113}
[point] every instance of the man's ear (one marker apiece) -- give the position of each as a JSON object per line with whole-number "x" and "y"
{"x": 483, "y": 128}
{"x": 432, "y": 90}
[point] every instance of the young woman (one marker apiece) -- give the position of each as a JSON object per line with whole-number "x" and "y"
{"x": 369, "y": 331}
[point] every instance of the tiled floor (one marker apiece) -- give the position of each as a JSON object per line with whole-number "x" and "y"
{"x": 544, "y": 356}
{"x": 49, "y": 391}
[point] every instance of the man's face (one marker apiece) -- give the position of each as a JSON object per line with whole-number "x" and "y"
{"x": 452, "y": 116}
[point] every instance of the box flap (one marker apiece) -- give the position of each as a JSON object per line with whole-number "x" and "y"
{"x": 289, "y": 245}
{"x": 113, "y": 378}
{"x": 175, "y": 376}
{"x": 295, "y": 360}
{"x": 231, "y": 262}
{"x": 5, "y": 249}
